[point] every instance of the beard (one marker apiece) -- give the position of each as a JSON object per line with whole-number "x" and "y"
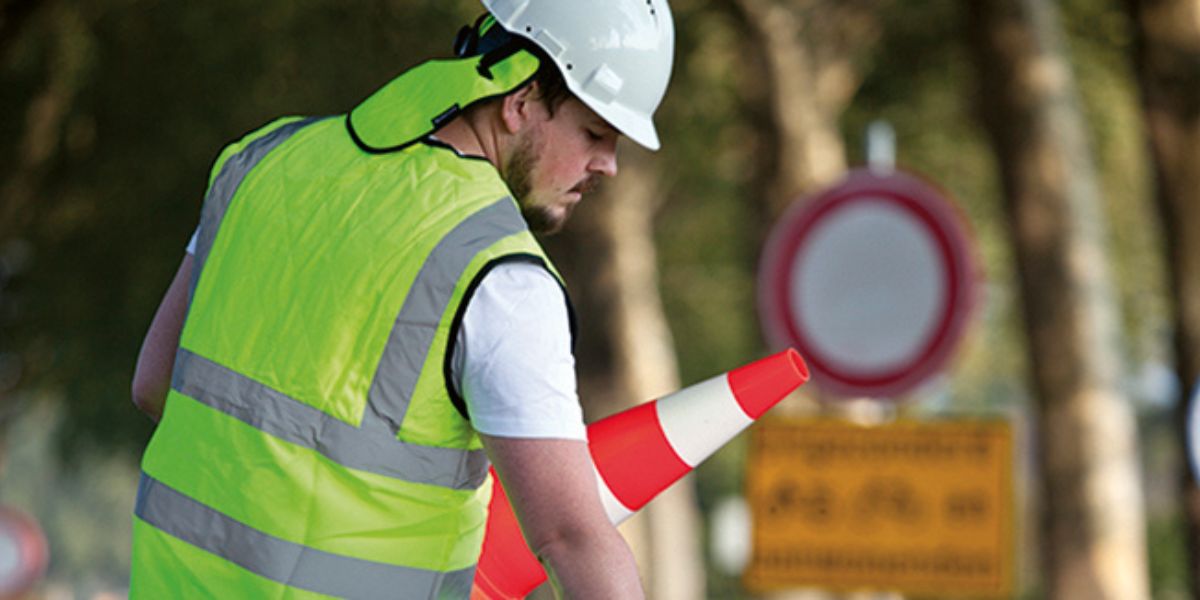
{"x": 541, "y": 217}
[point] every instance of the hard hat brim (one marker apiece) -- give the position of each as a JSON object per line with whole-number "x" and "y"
{"x": 632, "y": 125}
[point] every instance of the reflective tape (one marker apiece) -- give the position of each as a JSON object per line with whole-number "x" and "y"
{"x": 277, "y": 414}
{"x": 416, "y": 324}
{"x": 701, "y": 418}
{"x": 287, "y": 562}
{"x": 633, "y": 455}
{"x": 225, "y": 185}
{"x": 371, "y": 447}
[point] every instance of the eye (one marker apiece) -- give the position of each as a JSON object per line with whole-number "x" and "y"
{"x": 594, "y": 135}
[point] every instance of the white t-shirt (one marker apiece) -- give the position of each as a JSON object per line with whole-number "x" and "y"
{"x": 512, "y": 360}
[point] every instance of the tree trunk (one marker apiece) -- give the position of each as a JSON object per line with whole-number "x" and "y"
{"x": 13, "y": 16}
{"x": 1094, "y": 540}
{"x": 807, "y": 49}
{"x": 45, "y": 117}
{"x": 646, "y": 367}
{"x": 1168, "y": 61}
{"x": 627, "y": 354}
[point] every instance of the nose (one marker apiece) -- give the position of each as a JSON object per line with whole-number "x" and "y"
{"x": 605, "y": 160}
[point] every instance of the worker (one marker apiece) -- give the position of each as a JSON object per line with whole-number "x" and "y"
{"x": 364, "y": 320}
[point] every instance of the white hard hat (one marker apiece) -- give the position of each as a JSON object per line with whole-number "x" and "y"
{"x": 615, "y": 55}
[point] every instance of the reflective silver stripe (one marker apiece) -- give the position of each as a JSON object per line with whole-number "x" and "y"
{"x": 287, "y": 562}
{"x": 412, "y": 335}
{"x": 226, "y": 184}
{"x": 277, "y": 414}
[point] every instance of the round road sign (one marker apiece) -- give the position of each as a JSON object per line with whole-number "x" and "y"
{"x": 23, "y": 553}
{"x": 872, "y": 281}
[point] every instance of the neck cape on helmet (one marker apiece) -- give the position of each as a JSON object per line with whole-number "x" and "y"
{"x": 418, "y": 102}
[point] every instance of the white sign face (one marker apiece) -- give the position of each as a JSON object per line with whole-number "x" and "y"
{"x": 871, "y": 280}
{"x": 869, "y": 287}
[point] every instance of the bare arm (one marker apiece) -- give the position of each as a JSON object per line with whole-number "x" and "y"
{"x": 552, "y": 488}
{"x": 152, "y": 376}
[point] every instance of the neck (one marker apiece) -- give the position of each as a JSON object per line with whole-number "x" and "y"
{"x": 471, "y": 136}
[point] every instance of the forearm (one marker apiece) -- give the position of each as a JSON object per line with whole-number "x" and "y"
{"x": 152, "y": 375}
{"x": 551, "y": 487}
{"x": 596, "y": 564}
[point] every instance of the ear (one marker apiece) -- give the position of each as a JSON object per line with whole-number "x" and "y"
{"x": 517, "y": 108}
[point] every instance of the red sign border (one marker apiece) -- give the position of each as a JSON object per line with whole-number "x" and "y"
{"x": 950, "y": 236}
{"x": 33, "y": 552}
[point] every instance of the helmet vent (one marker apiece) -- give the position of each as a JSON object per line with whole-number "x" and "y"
{"x": 604, "y": 84}
{"x": 549, "y": 43}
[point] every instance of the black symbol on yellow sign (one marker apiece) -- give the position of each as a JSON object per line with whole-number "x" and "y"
{"x": 887, "y": 500}
{"x": 791, "y": 499}
{"x": 878, "y": 501}
{"x": 967, "y": 507}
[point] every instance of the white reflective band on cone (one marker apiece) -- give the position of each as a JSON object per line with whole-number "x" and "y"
{"x": 700, "y": 419}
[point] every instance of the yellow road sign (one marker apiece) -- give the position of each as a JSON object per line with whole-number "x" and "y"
{"x": 923, "y": 508}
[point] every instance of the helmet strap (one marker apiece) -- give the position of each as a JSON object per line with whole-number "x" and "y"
{"x": 486, "y": 38}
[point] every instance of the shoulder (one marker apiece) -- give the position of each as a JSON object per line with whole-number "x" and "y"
{"x": 274, "y": 127}
{"x": 520, "y": 293}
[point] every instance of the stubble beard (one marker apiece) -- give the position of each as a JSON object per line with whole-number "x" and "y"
{"x": 541, "y": 218}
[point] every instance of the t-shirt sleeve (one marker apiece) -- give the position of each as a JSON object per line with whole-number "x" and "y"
{"x": 512, "y": 361}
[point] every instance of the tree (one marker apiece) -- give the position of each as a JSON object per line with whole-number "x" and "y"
{"x": 1092, "y": 506}
{"x": 122, "y": 107}
{"x": 809, "y": 51}
{"x": 1168, "y": 60}
{"x": 626, "y": 354}
{"x": 645, "y": 367}
{"x": 13, "y": 15}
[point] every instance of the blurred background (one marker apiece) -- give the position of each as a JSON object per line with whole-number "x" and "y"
{"x": 1067, "y": 133}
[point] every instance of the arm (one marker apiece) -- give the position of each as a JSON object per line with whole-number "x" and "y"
{"x": 552, "y": 488}
{"x": 516, "y": 372}
{"x": 152, "y": 376}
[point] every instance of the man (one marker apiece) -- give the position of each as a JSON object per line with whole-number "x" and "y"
{"x": 364, "y": 314}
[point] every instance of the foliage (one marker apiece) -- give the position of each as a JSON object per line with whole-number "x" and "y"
{"x": 147, "y": 93}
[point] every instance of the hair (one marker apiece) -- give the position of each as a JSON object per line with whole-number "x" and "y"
{"x": 552, "y": 86}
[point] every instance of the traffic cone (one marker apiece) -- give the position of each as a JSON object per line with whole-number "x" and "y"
{"x": 639, "y": 453}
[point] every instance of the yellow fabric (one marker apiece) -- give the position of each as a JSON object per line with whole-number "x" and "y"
{"x": 307, "y": 272}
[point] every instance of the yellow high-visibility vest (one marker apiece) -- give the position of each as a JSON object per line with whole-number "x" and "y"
{"x": 311, "y": 445}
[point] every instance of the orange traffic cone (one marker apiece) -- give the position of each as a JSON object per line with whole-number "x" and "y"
{"x": 639, "y": 453}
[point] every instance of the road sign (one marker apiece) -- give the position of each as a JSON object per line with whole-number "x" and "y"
{"x": 23, "y": 553}
{"x": 920, "y": 508}
{"x": 872, "y": 281}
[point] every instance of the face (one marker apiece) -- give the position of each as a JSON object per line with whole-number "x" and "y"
{"x": 556, "y": 159}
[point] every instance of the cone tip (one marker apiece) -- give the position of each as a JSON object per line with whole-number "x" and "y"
{"x": 797, "y": 362}
{"x": 762, "y": 384}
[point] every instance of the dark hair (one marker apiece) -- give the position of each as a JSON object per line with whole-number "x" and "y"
{"x": 552, "y": 87}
